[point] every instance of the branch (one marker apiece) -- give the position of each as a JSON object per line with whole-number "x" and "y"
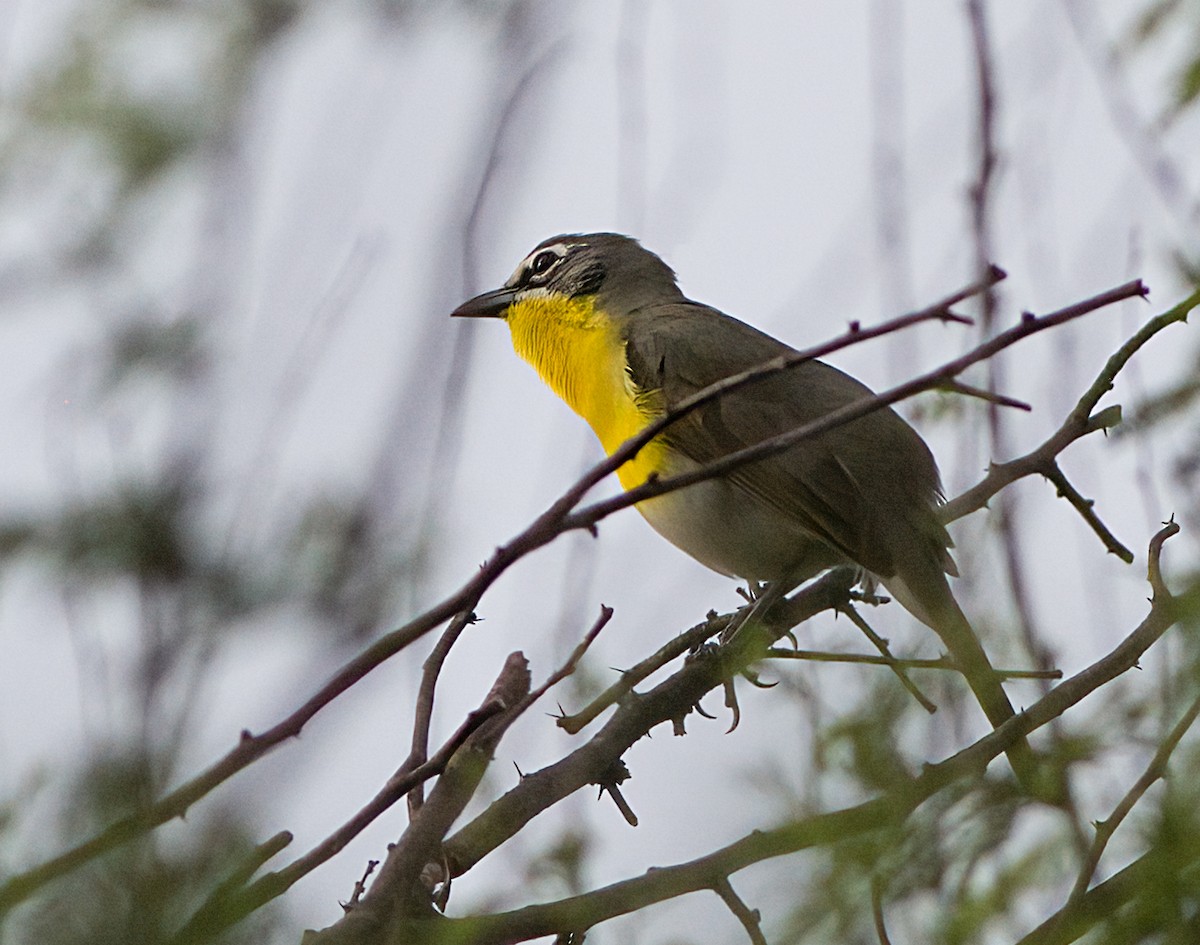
{"x": 891, "y": 808}
{"x": 1080, "y": 422}
{"x": 558, "y": 518}
{"x": 230, "y": 903}
{"x": 423, "y": 715}
{"x": 588, "y": 516}
{"x": 1106, "y": 828}
{"x": 939, "y": 662}
{"x": 396, "y": 891}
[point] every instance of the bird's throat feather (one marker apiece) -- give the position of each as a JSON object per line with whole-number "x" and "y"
{"x": 577, "y": 350}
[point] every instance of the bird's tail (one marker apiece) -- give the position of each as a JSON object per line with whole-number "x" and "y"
{"x": 928, "y": 597}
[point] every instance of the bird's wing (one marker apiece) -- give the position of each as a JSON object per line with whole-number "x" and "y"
{"x": 840, "y": 485}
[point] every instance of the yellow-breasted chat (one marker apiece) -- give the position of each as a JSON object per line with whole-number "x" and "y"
{"x": 604, "y": 323}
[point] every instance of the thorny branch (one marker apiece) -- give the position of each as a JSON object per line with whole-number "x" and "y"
{"x": 545, "y": 528}
{"x": 1107, "y": 827}
{"x": 558, "y": 518}
{"x": 890, "y": 808}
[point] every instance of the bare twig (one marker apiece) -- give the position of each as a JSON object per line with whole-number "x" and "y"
{"x": 1107, "y": 827}
{"x": 890, "y": 808}
{"x": 940, "y": 662}
{"x": 750, "y": 918}
{"x": 1080, "y": 422}
{"x": 557, "y": 519}
{"x": 430, "y": 670}
{"x": 1086, "y": 508}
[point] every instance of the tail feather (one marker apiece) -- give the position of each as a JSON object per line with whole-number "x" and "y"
{"x": 930, "y": 600}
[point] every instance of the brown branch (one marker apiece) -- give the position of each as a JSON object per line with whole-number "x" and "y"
{"x": 588, "y": 516}
{"x": 891, "y": 808}
{"x": 557, "y": 519}
{"x": 423, "y": 716}
{"x": 1081, "y": 421}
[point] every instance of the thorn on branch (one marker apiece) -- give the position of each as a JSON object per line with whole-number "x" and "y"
{"x": 1153, "y": 569}
{"x": 360, "y": 887}
{"x": 609, "y": 781}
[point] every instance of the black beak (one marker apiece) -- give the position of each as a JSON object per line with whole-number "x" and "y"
{"x": 492, "y": 304}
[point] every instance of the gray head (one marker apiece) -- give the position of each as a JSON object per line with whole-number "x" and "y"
{"x": 610, "y": 265}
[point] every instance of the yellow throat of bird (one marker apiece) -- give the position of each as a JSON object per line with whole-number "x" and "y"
{"x": 577, "y": 350}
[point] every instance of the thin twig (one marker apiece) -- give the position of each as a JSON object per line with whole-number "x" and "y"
{"x": 1080, "y": 422}
{"x": 423, "y": 717}
{"x": 750, "y": 918}
{"x": 1086, "y": 508}
{"x": 1107, "y": 827}
{"x": 885, "y": 654}
{"x": 877, "y": 911}
{"x": 940, "y": 662}
{"x": 890, "y": 808}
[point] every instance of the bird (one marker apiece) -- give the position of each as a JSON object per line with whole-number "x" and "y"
{"x": 603, "y": 322}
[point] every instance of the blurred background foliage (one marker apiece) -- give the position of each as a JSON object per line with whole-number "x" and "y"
{"x": 123, "y": 185}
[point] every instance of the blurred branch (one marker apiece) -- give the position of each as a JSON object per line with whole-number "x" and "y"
{"x": 1107, "y": 827}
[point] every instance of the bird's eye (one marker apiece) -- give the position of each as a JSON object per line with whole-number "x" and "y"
{"x": 543, "y": 261}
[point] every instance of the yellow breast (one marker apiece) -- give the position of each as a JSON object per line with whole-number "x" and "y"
{"x": 580, "y": 355}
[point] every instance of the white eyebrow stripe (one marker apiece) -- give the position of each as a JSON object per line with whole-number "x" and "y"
{"x": 560, "y": 249}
